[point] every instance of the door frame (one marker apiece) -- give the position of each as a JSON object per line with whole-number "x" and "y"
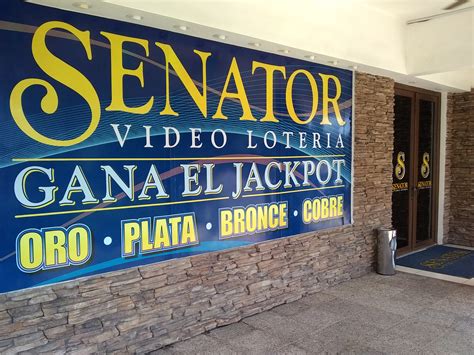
{"x": 416, "y": 94}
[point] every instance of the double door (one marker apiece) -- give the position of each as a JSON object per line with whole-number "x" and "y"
{"x": 415, "y": 167}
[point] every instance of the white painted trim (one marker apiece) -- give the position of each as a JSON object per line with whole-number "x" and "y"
{"x": 434, "y": 275}
{"x": 442, "y": 166}
{"x": 459, "y": 246}
{"x": 414, "y": 251}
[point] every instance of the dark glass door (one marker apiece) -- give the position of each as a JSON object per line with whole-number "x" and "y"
{"x": 413, "y": 202}
{"x": 424, "y": 183}
{"x": 402, "y": 168}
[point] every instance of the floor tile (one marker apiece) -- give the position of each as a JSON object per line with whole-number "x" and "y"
{"x": 435, "y": 317}
{"x": 451, "y": 343}
{"x": 202, "y": 344}
{"x": 417, "y": 332}
{"x": 278, "y": 325}
{"x": 374, "y": 314}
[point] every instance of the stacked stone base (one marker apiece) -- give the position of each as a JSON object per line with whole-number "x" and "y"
{"x": 459, "y": 191}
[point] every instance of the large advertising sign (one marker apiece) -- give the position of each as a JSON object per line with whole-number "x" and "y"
{"x": 124, "y": 145}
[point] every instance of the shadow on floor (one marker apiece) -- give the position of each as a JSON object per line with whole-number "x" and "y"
{"x": 374, "y": 314}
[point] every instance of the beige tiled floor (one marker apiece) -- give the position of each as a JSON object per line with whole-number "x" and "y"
{"x": 401, "y": 314}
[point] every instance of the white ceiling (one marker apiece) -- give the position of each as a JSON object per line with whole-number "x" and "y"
{"x": 370, "y": 34}
{"x": 412, "y": 9}
{"x": 404, "y": 10}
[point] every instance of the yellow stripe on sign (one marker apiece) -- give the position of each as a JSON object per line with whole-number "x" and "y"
{"x": 175, "y": 159}
{"x": 292, "y": 191}
{"x": 101, "y": 209}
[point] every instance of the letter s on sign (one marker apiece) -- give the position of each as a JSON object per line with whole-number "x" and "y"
{"x": 400, "y": 167}
{"x": 62, "y": 72}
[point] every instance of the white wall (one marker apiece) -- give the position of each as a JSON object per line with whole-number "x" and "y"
{"x": 443, "y": 44}
{"x": 462, "y": 79}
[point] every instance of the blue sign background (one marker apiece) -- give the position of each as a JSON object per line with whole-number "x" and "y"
{"x": 17, "y": 24}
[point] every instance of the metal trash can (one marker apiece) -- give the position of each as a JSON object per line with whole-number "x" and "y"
{"x": 386, "y": 248}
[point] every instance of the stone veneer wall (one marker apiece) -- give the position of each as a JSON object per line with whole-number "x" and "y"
{"x": 459, "y": 189}
{"x": 144, "y": 308}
